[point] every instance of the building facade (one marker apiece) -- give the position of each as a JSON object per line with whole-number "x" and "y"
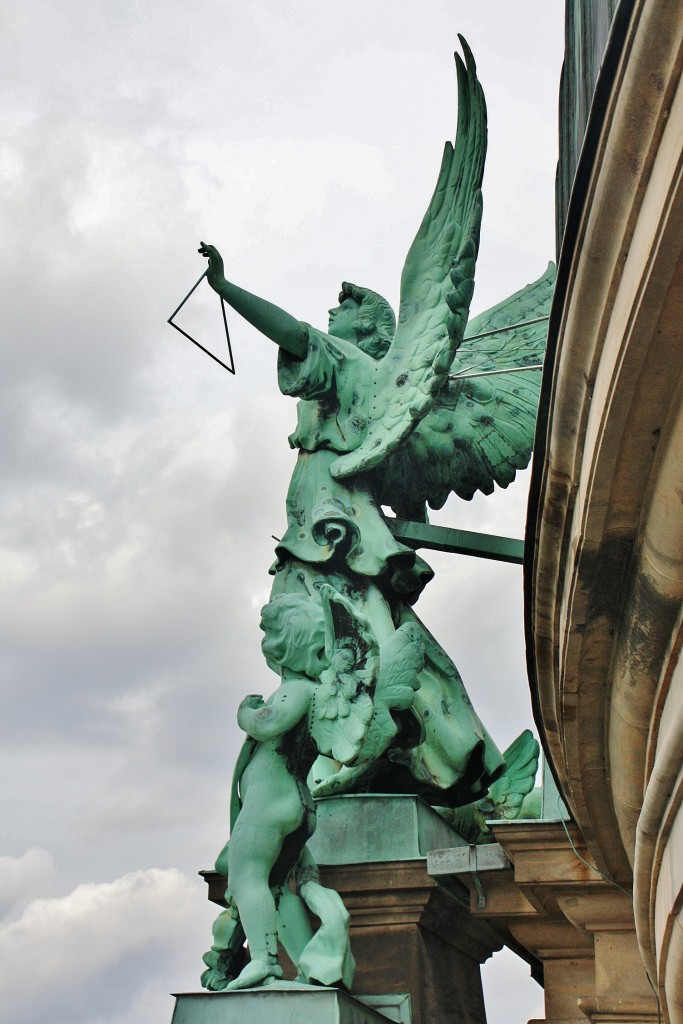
{"x": 604, "y": 569}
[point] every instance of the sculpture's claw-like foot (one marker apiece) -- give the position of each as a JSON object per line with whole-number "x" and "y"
{"x": 214, "y": 980}
{"x": 257, "y": 972}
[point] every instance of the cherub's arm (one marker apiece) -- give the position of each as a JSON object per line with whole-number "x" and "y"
{"x": 275, "y": 323}
{"x": 284, "y": 709}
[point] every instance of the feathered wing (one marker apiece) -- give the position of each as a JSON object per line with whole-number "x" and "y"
{"x": 506, "y": 795}
{"x": 401, "y": 659}
{"x": 505, "y": 798}
{"x": 436, "y": 287}
{"x": 343, "y": 705}
{"x": 480, "y": 430}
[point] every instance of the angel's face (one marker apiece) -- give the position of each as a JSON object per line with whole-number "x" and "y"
{"x": 342, "y": 319}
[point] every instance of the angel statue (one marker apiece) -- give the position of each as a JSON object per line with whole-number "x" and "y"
{"x": 337, "y": 684}
{"x": 396, "y": 413}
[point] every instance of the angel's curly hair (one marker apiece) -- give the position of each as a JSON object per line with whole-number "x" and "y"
{"x": 376, "y": 322}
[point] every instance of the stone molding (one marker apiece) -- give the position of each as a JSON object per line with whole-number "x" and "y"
{"x": 606, "y": 584}
{"x": 579, "y": 926}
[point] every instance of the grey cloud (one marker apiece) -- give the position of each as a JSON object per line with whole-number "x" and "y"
{"x": 127, "y": 578}
{"x": 141, "y": 485}
{"x": 97, "y": 931}
{"x": 23, "y": 878}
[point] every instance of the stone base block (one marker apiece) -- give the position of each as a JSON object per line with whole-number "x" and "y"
{"x": 377, "y": 827}
{"x": 409, "y": 934}
{"x": 283, "y": 1003}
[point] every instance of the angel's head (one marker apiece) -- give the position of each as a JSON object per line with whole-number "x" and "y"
{"x": 364, "y": 318}
{"x": 294, "y": 638}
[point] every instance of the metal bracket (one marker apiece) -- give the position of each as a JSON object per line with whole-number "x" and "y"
{"x": 479, "y": 888}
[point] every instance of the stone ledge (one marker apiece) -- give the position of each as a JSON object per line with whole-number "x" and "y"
{"x": 283, "y": 1003}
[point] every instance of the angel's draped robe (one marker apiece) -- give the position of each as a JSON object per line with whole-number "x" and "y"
{"x": 336, "y": 526}
{"x": 329, "y": 519}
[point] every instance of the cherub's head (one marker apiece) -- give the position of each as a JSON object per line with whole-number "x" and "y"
{"x": 364, "y": 318}
{"x": 294, "y": 630}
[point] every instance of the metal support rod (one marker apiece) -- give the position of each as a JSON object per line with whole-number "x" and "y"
{"x": 464, "y": 375}
{"x": 508, "y": 327}
{"x": 459, "y": 542}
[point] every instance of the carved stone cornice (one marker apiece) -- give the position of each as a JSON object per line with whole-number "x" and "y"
{"x": 579, "y": 926}
{"x": 606, "y": 583}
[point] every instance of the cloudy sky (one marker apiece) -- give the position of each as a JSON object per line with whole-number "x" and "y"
{"x": 142, "y": 483}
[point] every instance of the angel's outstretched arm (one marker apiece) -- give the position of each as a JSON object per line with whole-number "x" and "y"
{"x": 275, "y": 323}
{"x": 284, "y": 709}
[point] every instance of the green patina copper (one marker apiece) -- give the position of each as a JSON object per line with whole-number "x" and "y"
{"x": 509, "y": 797}
{"x": 371, "y": 828}
{"x": 458, "y": 542}
{"x": 397, "y": 412}
{"x": 339, "y": 688}
{"x": 305, "y": 1004}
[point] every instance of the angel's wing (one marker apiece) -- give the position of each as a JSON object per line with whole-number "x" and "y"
{"x": 398, "y": 679}
{"x": 436, "y": 287}
{"x": 506, "y": 794}
{"x": 505, "y": 797}
{"x": 401, "y": 661}
{"x": 480, "y": 430}
{"x": 343, "y": 706}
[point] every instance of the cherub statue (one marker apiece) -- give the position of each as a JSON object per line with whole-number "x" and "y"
{"x": 336, "y": 681}
{"x": 401, "y": 414}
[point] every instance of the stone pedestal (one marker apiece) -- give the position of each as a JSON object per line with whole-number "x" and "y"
{"x": 408, "y": 933}
{"x": 287, "y": 1004}
{"x": 377, "y": 827}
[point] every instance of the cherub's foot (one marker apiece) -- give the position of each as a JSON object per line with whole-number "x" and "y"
{"x": 257, "y": 972}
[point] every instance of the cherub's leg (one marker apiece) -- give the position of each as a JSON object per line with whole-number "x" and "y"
{"x": 254, "y": 850}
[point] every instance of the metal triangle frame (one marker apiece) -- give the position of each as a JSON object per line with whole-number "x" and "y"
{"x": 231, "y": 368}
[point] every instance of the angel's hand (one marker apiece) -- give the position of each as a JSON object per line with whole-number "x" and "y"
{"x": 215, "y": 275}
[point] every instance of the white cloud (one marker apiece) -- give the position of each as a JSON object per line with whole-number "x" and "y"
{"x": 22, "y": 878}
{"x": 510, "y": 993}
{"x": 303, "y": 176}
{"x": 91, "y": 955}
